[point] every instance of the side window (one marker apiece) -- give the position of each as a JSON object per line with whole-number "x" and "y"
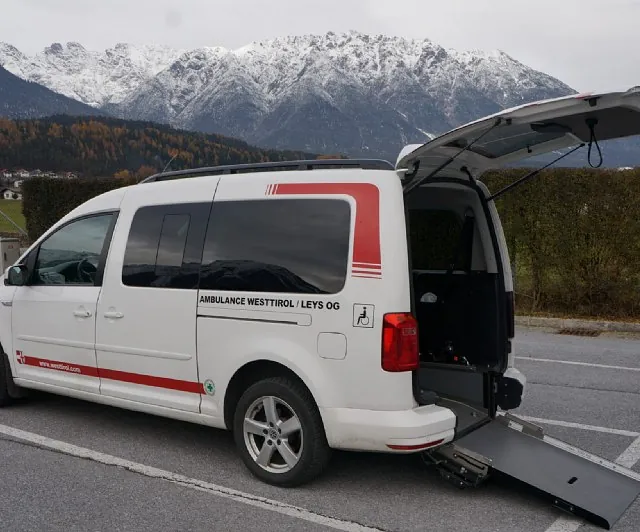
{"x": 434, "y": 238}
{"x": 71, "y": 255}
{"x": 278, "y": 245}
{"x": 165, "y": 246}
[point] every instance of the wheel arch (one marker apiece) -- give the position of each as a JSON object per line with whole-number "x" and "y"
{"x": 249, "y": 374}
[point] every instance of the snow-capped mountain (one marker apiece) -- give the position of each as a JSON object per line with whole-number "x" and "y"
{"x": 94, "y": 78}
{"x": 358, "y": 94}
{"x": 24, "y": 99}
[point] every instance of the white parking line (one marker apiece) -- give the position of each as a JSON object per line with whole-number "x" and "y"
{"x": 627, "y": 459}
{"x": 630, "y": 457}
{"x": 569, "y": 424}
{"x": 574, "y": 363}
{"x": 192, "y": 483}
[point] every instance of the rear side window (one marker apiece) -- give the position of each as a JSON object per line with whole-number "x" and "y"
{"x": 173, "y": 240}
{"x": 277, "y": 245}
{"x": 164, "y": 248}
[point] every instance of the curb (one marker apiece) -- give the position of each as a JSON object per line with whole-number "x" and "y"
{"x": 592, "y": 325}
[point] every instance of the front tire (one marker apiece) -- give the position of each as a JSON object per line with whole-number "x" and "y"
{"x": 5, "y": 375}
{"x": 279, "y": 433}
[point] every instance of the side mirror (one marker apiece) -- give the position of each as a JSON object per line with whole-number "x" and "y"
{"x": 16, "y": 275}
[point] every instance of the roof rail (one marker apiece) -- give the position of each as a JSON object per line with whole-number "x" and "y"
{"x": 364, "y": 164}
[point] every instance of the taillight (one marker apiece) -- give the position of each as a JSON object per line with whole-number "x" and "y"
{"x": 400, "y": 343}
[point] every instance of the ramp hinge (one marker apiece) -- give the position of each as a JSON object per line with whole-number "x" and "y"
{"x": 462, "y": 467}
{"x": 507, "y": 419}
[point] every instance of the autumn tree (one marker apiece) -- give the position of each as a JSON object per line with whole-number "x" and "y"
{"x": 145, "y": 171}
{"x": 107, "y": 146}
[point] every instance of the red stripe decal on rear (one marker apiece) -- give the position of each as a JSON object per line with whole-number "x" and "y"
{"x": 111, "y": 374}
{"x": 366, "y": 265}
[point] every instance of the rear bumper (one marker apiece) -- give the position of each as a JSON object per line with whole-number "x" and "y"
{"x": 403, "y": 431}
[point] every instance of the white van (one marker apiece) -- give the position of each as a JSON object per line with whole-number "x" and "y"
{"x": 307, "y": 306}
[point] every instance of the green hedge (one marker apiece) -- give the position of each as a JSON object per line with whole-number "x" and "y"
{"x": 45, "y": 201}
{"x": 574, "y": 238}
{"x": 573, "y": 235}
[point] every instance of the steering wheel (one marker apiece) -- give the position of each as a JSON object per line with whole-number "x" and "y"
{"x": 86, "y": 270}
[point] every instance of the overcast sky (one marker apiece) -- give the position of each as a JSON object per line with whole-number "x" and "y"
{"x": 589, "y": 44}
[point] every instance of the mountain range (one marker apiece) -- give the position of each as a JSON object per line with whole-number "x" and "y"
{"x": 27, "y": 99}
{"x": 350, "y": 93}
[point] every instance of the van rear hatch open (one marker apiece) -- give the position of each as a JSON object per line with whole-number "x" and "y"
{"x": 521, "y": 132}
{"x": 466, "y": 356}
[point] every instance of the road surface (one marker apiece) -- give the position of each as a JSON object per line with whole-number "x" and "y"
{"x": 168, "y": 475}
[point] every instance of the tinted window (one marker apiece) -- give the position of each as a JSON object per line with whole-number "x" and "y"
{"x": 434, "y": 238}
{"x": 281, "y": 245}
{"x": 165, "y": 246}
{"x": 173, "y": 239}
{"x": 71, "y": 255}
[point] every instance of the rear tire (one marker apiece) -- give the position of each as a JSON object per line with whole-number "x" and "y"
{"x": 279, "y": 433}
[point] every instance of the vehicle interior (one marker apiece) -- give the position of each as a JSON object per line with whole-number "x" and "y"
{"x": 458, "y": 299}
{"x": 48, "y": 271}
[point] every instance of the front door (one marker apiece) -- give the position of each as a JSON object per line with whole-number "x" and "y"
{"x": 146, "y": 321}
{"x": 54, "y": 314}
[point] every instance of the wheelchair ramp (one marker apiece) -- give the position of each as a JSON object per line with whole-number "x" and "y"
{"x": 577, "y": 482}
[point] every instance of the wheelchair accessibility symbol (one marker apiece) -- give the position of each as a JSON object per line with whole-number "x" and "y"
{"x": 363, "y": 316}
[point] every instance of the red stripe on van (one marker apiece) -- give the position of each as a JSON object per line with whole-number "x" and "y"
{"x": 122, "y": 376}
{"x": 77, "y": 369}
{"x": 150, "y": 380}
{"x": 366, "y": 245}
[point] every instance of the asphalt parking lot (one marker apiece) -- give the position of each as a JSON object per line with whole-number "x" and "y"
{"x": 109, "y": 469}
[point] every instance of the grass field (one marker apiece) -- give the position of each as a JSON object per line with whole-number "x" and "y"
{"x": 13, "y": 209}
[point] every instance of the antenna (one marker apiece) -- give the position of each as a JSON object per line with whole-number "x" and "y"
{"x": 169, "y": 163}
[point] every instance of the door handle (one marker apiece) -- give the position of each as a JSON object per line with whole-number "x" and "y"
{"x": 6, "y": 303}
{"x": 82, "y": 313}
{"x": 113, "y": 315}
